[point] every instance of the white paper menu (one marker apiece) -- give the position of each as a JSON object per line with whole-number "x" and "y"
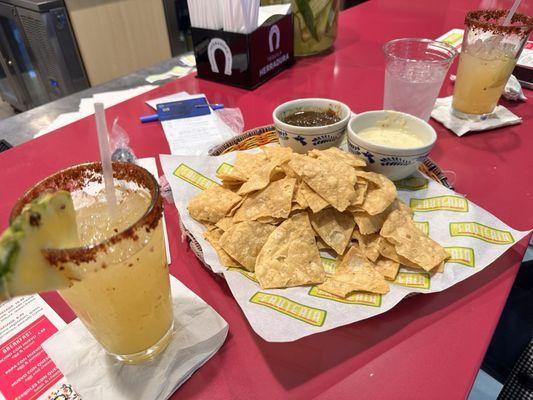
{"x": 26, "y": 371}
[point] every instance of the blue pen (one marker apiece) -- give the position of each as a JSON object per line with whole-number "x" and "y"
{"x": 155, "y": 117}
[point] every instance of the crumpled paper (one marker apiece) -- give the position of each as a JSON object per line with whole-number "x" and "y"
{"x": 198, "y": 334}
{"x": 442, "y": 112}
{"x": 474, "y": 237}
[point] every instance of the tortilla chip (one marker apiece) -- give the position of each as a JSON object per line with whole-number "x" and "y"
{"x": 233, "y": 186}
{"x": 289, "y": 172}
{"x": 411, "y": 243}
{"x": 234, "y": 209}
{"x": 265, "y": 171}
{"x": 321, "y": 244}
{"x": 387, "y": 250}
{"x": 401, "y": 206}
{"x": 270, "y": 220}
{"x": 388, "y": 268}
{"x": 369, "y": 245}
{"x": 290, "y": 256}
{"x": 209, "y": 226}
{"x": 225, "y": 223}
{"x": 232, "y": 177}
{"x": 333, "y": 180}
{"x": 368, "y": 224}
{"x": 372, "y": 223}
{"x": 299, "y": 197}
{"x": 248, "y": 163}
{"x": 258, "y": 179}
{"x": 273, "y": 201}
{"x": 213, "y": 237}
{"x": 380, "y": 194}
{"x": 440, "y": 267}
{"x": 335, "y": 228}
{"x": 355, "y": 273}
{"x": 360, "y": 193}
{"x": 296, "y": 207}
{"x": 279, "y": 155}
{"x": 314, "y": 201}
{"x": 335, "y": 152}
{"x": 212, "y": 204}
{"x": 277, "y": 174}
{"x": 244, "y": 240}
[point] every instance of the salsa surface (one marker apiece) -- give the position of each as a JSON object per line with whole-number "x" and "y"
{"x": 312, "y": 118}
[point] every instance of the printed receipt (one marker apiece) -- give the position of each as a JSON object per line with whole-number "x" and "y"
{"x": 26, "y": 371}
{"x": 193, "y": 135}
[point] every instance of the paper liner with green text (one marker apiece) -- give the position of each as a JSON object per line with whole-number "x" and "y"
{"x": 473, "y": 237}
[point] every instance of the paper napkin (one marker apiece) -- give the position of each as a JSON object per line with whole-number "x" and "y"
{"x": 198, "y": 334}
{"x": 442, "y": 112}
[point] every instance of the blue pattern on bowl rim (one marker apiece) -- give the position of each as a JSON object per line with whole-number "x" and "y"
{"x": 327, "y": 138}
{"x": 301, "y": 140}
{"x": 305, "y": 141}
{"x": 387, "y": 160}
{"x": 394, "y": 160}
{"x": 282, "y": 135}
{"x": 360, "y": 152}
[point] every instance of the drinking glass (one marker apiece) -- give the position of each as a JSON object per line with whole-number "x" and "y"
{"x": 488, "y": 57}
{"x": 123, "y": 294}
{"x": 414, "y": 72}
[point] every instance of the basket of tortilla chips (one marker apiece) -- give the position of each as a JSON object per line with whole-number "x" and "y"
{"x": 267, "y": 134}
{"x": 310, "y": 242}
{"x": 276, "y": 210}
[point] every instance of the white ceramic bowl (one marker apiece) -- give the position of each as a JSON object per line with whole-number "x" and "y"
{"x": 392, "y": 162}
{"x": 301, "y": 138}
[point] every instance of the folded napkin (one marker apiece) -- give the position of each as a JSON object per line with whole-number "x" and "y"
{"x": 198, "y": 334}
{"x": 442, "y": 112}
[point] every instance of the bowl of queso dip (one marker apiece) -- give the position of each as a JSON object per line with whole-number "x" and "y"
{"x": 392, "y": 143}
{"x": 314, "y": 123}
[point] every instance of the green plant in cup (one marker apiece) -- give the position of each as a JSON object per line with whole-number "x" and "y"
{"x": 315, "y": 24}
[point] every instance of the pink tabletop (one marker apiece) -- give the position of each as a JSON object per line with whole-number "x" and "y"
{"x": 429, "y": 346}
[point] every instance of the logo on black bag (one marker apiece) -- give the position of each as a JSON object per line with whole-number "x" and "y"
{"x": 274, "y": 30}
{"x": 220, "y": 44}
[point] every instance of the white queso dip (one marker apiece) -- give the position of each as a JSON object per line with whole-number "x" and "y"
{"x": 390, "y": 136}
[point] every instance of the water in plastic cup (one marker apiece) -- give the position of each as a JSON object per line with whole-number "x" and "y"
{"x": 414, "y": 72}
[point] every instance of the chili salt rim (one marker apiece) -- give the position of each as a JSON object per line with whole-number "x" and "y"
{"x": 74, "y": 178}
{"x": 474, "y": 20}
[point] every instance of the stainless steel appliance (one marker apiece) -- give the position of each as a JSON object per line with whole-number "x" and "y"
{"x": 178, "y": 25}
{"x": 39, "y": 58}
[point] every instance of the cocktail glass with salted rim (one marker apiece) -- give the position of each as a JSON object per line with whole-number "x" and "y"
{"x": 119, "y": 281}
{"x": 489, "y": 53}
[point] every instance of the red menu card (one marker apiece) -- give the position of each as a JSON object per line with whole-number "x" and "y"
{"x": 26, "y": 371}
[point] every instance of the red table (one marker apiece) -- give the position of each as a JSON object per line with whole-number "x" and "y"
{"x": 429, "y": 346}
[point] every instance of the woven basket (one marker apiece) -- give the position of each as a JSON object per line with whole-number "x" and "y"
{"x": 267, "y": 134}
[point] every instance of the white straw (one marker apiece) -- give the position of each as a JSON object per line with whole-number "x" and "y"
{"x": 105, "y": 155}
{"x": 511, "y": 12}
{"x": 255, "y": 13}
{"x": 230, "y": 15}
{"x": 246, "y": 16}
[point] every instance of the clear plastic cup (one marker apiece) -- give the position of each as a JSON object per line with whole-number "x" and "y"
{"x": 488, "y": 57}
{"x": 414, "y": 72}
